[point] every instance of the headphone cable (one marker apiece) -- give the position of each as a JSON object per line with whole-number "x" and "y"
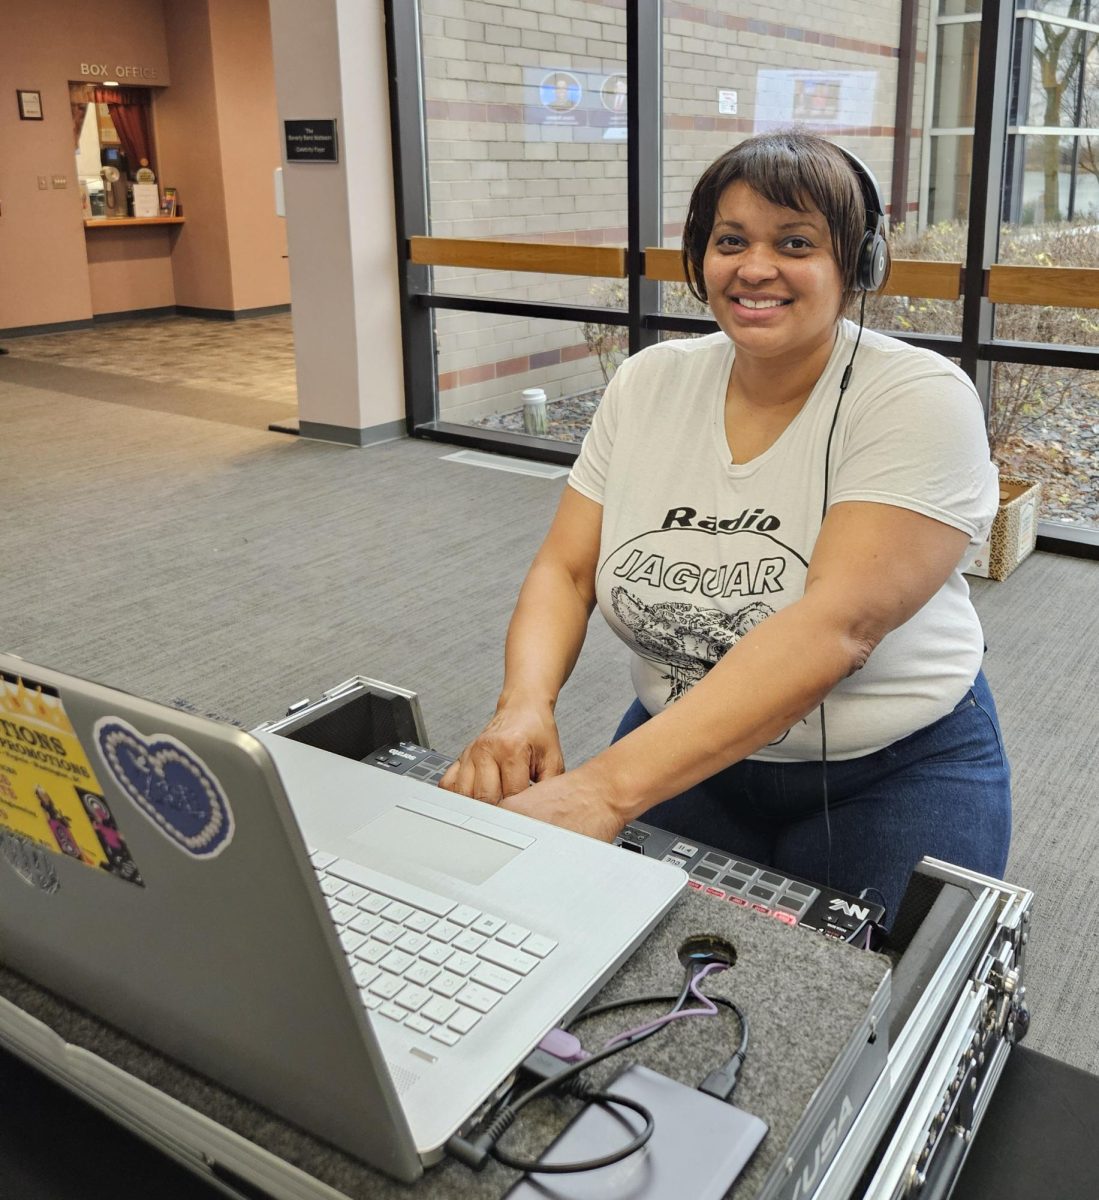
{"x": 845, "y": 379}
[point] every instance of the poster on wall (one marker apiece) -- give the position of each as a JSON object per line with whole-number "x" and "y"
{"x": 562, "y": 104}
{"x": 807, "y": 97}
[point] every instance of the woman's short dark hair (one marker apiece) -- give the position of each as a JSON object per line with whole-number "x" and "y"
{"x": 792, "y": 169}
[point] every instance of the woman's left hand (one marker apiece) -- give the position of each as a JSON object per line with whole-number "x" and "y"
{"x": 577, "y": 800}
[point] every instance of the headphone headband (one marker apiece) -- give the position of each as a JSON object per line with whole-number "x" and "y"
{"x": 873, "y": 254}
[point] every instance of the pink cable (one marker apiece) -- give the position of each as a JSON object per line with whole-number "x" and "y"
{"x": 709, "y": 1009}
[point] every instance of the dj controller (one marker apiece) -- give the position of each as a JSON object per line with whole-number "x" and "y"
{"x": 716, "y": 872}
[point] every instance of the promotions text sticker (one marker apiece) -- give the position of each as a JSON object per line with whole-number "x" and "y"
{"x": 49, "y": 795}
{"x": 170, "y": 784}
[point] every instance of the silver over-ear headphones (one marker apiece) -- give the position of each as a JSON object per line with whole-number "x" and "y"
{"x": 870, "y": 265}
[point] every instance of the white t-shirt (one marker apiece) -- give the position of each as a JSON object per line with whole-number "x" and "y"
{"x": 696, "y": 550}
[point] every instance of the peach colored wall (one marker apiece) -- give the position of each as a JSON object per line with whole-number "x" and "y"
{"x": 190, "y": 160}
{"x": 248, "y": 124}
{"x": 131, "y": 268}
{"x": 43, "y": 268}
{"x": 229, "y": 254}
{"x": 217, "y": 137}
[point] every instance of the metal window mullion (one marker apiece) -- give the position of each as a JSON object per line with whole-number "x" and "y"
{"x": 902, "y": 102}
{"x": 1022, "y": 68}
{"x": 408, "y": 133}
{"x": 1077, "y": 120}
{"x": 989, "y": 135}
{"x": 1076, "y": 131}
{"x": 1052, "y": 19}
{"x": 931, "y": 83}
{"x": 644, "y": 190}
{"x": 540, "y": 310}
{"x": 959, "y": 19}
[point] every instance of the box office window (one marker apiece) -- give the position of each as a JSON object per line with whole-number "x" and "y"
{"x": 112, "y": 129}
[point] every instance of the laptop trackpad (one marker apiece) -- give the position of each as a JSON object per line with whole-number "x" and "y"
{"x": 400, "y": 835}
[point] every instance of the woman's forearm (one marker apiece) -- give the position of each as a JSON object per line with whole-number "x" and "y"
{"x": 769, "y": 680}
{"x": 545, "y": 636}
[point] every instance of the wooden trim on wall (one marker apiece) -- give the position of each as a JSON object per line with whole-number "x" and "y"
{"x": 607, "y": 262}
{"x": 664, "y": 265}
{"x": 908, "y": 277}
{"x": 1062, "y": 287}
{"x": 1066, "y": 287}
{"x": 926, "y": 280}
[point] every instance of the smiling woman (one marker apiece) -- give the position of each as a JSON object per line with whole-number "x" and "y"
{"x": 809, "y": 178}
{"x": 774, "y": 287}
{"x": 865, "y": 467}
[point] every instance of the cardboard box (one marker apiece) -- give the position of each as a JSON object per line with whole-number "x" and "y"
{"x": 1014, "y": 530}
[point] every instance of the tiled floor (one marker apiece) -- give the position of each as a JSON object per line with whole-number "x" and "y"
{"x": 251, "y": 358}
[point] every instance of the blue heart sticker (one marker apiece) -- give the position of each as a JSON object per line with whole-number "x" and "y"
{"x": 170, "y": 784}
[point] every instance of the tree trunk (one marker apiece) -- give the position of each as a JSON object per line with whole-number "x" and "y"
{"x": 1051, "y": 154}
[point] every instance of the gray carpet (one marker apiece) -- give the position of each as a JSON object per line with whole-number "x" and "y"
{"x": 200, "y": 558}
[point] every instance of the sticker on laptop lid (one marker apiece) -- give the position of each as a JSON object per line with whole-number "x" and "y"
{"x": 170, "y": 784}
{"x": 49, "y": 794}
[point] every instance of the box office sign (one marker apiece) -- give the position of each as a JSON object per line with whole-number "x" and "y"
{"x": 311, "y": 141}
{"x": 129, "y": 72}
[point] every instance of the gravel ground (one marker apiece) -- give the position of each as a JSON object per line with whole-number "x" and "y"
{"x": 567, "y": 419}
{"x": 1062, "y": 451}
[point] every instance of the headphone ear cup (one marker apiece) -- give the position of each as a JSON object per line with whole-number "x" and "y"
{"x": 870, "y": 265}
{"x": 879, "y": 257}
{"x": 864, "y": 262}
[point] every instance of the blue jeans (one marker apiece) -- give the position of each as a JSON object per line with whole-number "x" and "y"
{"x": 943, "y": 791}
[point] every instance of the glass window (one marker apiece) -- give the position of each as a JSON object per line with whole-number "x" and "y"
{"x": 949, "y": 177}
{"x": 487, "y": 361}
{"x": 1057, "y": 94}
{"x": 956, "y": 75}
{"x": 1044, "y": 420}
{"x": 1059, "y": 180}
{"x": 1061, "y": 8}
{"x": 526, "y": 126}
{"x": 1044, "y": 425}
{"x": 727, "y": 76}
{"x": 526, "y": 141}
{"x": 526, "y": 113}
{"x": 113, "y": 144}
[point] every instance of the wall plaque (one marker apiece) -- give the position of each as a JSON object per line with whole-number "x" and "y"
{"x": 311, "y": 141}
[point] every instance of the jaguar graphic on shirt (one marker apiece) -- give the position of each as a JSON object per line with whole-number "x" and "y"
{"x": 689, "y": 639}
{"x": 682, "y": 595}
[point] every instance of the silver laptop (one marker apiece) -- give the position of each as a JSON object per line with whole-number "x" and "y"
{"x": 361, "y": 953}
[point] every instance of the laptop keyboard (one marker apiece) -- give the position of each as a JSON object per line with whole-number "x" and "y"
{"x": 435, "y": 969}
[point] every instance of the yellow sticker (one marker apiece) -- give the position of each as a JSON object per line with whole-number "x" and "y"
{"x": 49, "y": 794}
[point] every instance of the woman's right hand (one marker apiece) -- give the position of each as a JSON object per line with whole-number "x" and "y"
{"x": 518, "y": 747}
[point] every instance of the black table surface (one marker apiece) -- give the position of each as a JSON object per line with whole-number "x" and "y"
{"x": 1038, "y": 1138}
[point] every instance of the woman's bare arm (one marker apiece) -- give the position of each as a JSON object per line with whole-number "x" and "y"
{"x": 544, "y": 639}
{"x": 859, "y": 587}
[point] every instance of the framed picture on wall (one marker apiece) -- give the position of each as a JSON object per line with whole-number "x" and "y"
{"x": 30, "y": 105}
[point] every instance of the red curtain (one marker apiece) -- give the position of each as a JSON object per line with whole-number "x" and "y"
{"x": 129, "y": 109}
